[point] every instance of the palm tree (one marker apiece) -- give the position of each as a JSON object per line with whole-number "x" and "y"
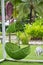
{"x": 15, "y": 4}
{"x": 25, "y": 7}
{"x": 31, "y": 7}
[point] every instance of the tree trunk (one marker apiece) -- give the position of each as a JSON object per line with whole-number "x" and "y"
{"x": 30, "y": 14}
{"x": 9, "y": 33}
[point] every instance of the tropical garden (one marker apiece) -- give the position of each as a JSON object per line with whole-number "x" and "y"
{"x": 27, "y": 27}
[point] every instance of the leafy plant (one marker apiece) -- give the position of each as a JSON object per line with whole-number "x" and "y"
{"x": 23, "y": 37}
{"x": 15, "y": 27}
{"x": 15, "y": 52}
{"x": 35, "y": 30}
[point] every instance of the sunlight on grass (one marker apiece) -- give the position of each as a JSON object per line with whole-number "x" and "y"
{"x": 32, "y": 55}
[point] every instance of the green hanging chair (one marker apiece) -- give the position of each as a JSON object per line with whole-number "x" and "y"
{"x": 15, "y": 52}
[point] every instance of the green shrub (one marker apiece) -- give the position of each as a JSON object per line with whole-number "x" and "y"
{"x": 23, "y": 37}
{"x": 15, "y": 27}
{"x": 38, "y": 22}
{"x": 35, "y": 30}
{"x": 27, "y": 28}
{"x": 11, "y": 28}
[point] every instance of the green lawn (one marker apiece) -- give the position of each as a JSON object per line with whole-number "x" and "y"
{"x": 31, "y": 56}
{"x": 1, "y": 51}
{"x": 19, "y": 63}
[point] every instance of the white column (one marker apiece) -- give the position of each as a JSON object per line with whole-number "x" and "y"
{"x": 3, "y": 27}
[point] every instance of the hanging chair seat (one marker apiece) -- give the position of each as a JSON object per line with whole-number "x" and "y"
{"x": 15, "y": 52}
